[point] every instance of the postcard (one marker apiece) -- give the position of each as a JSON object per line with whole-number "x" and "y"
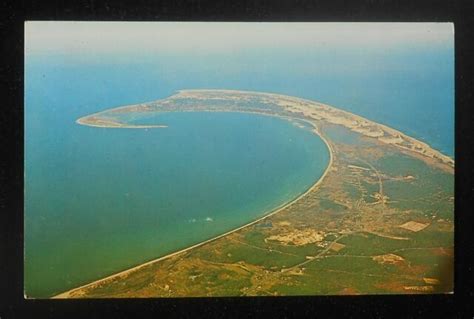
{"x": 209, "y": 159}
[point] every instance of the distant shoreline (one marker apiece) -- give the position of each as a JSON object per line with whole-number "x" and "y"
{"x": 363, "y": 126}
{"x": 272, "y": 212}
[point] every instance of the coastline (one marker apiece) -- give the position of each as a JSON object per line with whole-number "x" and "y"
{"x": 318, "y": 111}
{"x": 330, "y": 114}
{"x": 315, "y": 130}
{"x": 429, "y": 151}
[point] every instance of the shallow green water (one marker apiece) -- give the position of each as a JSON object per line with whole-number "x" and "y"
{"x": 99, "y": 200}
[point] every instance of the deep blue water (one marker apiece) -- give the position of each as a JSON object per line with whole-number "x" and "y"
{"x": 79, "y": 179}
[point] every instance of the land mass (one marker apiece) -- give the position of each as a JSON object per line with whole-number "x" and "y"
{"x": 380, "y": 219}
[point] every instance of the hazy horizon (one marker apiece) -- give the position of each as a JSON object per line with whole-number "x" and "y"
{"x": 44, "y": 37}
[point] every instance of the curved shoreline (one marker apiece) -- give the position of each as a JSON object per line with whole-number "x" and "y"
{"x": 274, "y": 211}
{"x": 429, "y": 154}
{"x": 419, "y": 147}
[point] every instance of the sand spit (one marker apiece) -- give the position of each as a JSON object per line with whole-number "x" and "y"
{"x": 100, "y": 122}
{"x": 297, "y": 106}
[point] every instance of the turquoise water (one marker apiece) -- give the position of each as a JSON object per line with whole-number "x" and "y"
{"x": 101, "y": 200}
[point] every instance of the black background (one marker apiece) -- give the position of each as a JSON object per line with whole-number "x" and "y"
{"x": 12, "y": 17}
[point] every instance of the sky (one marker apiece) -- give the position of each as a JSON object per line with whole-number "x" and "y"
{"x": 53, "y": 37}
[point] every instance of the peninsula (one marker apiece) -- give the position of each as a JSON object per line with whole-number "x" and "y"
{"x": 380, "y": 219}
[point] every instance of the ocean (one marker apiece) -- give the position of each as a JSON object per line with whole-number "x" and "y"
{"x": 100, "y": 200}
